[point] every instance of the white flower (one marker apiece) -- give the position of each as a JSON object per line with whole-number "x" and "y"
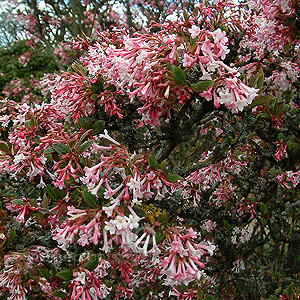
{"x": 194, "y": 31}
{"x": 133, "y": 222}
{"x": 120, "y": 222}
{"x": 81, "y": 277}
{"x": 106, "y": 136}
{"x": 238, "y": 266}
{"x": 19, "y": 157}
{"x": 133, "y": 184}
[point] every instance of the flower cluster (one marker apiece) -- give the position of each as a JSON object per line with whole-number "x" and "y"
{"x": 149, "y": 138}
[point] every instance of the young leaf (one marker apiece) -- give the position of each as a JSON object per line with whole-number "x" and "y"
{"x": 61, "y": 148}
{"x": 202, "y": 86}
{"x": 185, "y": 15}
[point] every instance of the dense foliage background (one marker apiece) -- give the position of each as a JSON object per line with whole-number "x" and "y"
{"x": 150, "y": 150}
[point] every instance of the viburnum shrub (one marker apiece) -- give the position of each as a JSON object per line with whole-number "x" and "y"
{"x": 161, "y": 164}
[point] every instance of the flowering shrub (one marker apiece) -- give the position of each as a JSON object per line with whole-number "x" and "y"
{"x": 161, "y": 164}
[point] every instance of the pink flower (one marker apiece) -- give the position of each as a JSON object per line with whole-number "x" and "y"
{"x": 187, "y": 61}
{"x": 194, "y": 31}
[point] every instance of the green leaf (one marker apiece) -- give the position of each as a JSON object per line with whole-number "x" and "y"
{"x": 94, "y": 96}
{"x": 275, "y": 108}
{"x": 100, "y": 83}
{"x": 291, "y": 144}
{"x": 263, "y": 208}
{"x": 98, "y": 86}
{"x": 82, "y": 138}
{"x": 139, "y": 211}
{"x": 100, "y": 192}
{"x": 61, "y": 148}
{"x": 226, "y": 224}
{"x": 261, "y": 100}
{"x": 290, "y": 289}
{"x": 45, "y": 203}
{"x": 186, "y": 16}
{"x": 45, "y": 273}
{"x": 89, "y": 199}
{"x": 49, "y": 150}
{"x": 83, "y": 147}
{"x": 60, "y": 294}
{"x": 32, "y": 122}
{"x": 179, "y": 75}
{"x": 260, "y": 80}
{"x": 51, "y": 193}
{"x": 18, "y": 202}
{"x": 72, "y": 144}
{"x": 53, "y": 270}
{"x": 202, "y": 86}
{"x": 152, "y": 161}
{"x": 163, "y": 165}
{"x": 173, "y": 177}
{"x": 83, "y": 123}
{"x": 159, "y": 236}
{"x": 257, "y": 80}
{"x": 281, "y": 137}
{"x": 74, "y": 194}
{"x": 253, "y": 80}
{"x": 12, "y": 236}
{"x": 263, "y": 221}
{"x": 111, "y": 88}
{"x": 92, "y": 263}
{"x": 98, "y": 127}
{"x": 65, "y": 274}
{"x": 4, "y": 147}
{"x": 78, "y": 68}
{"x": 263, "y": 115}
{"x": 164, "y": 217}
{"x": 209, "y": 297}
